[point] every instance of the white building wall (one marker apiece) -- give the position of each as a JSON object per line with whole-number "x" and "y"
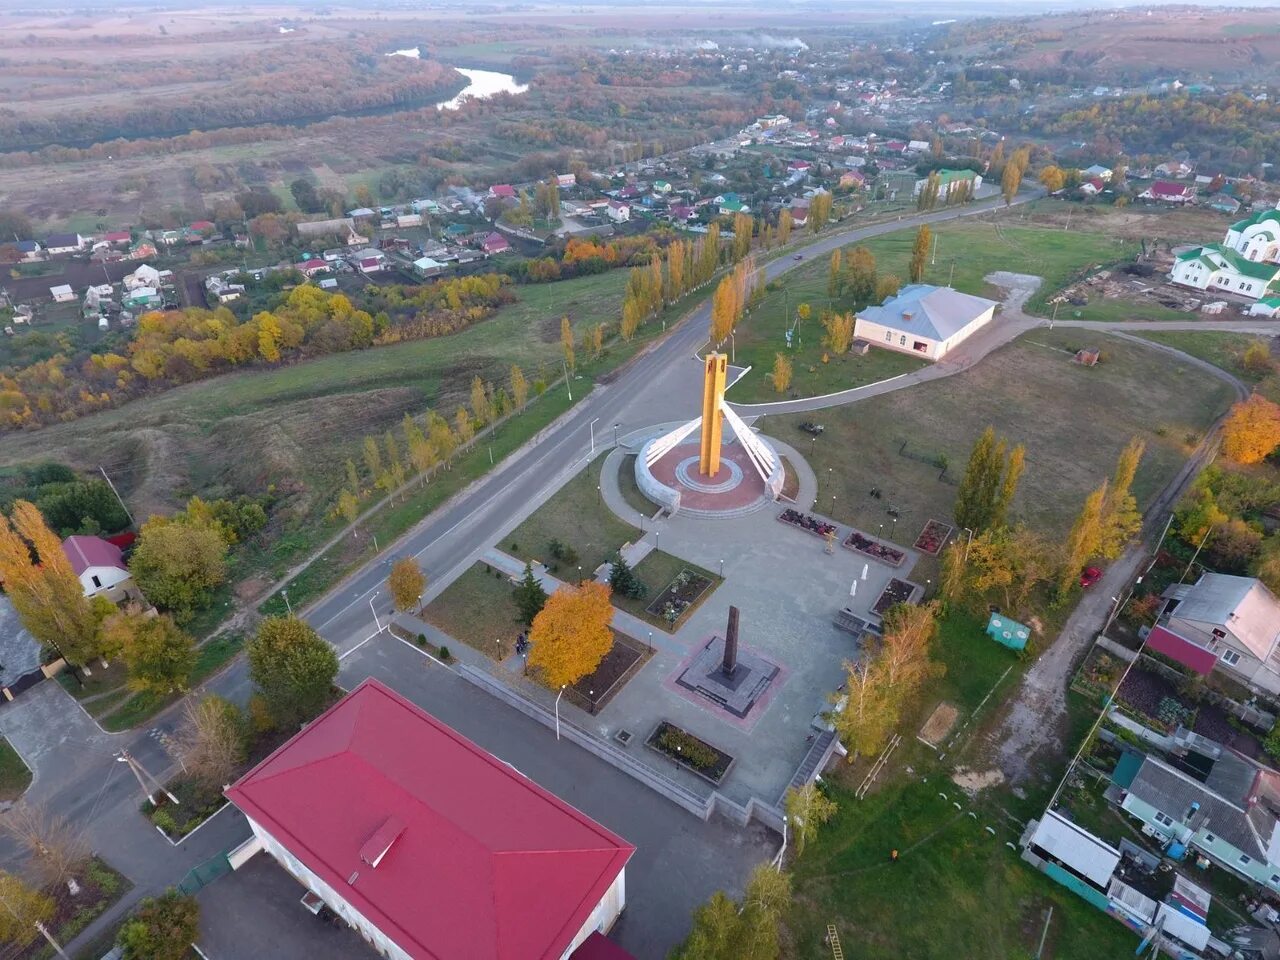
{"x": 605, "y": 914}
{"x": 375, "y": 937}
{"x": 111, "y": 581}
{"x": 889, "y": 338}
{"x": 1191, "y": 273}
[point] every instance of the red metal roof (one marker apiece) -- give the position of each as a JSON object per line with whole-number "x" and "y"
{"x": 85, "y": 552}
{"x": 475, "y": 861}
{"x": 599, "y": 947}
{"x": 1178, "y": 648}
{"x": 1163, "y": 188}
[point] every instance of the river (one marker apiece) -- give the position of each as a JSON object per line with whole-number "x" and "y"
{"x": 481, "y": 84}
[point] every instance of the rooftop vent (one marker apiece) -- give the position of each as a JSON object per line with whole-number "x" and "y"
{"x": 376, "y": 847}
{"x": 907, "y": 314}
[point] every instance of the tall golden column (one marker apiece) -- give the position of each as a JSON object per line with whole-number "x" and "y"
{"x": 713, "y": 383}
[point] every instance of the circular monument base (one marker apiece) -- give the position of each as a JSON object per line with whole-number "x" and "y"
{"x": 735, "y": 490}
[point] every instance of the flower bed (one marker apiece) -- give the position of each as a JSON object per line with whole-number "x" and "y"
{"x": 859, "y": 541}
{"x": 101, "y": 885}
{"x": 933, "y": 537}
{"x": 696, "y": 756}
{"x": 680, "y": 596}
{"x": 896, "y": 591}
{"x": 807, "y": 523}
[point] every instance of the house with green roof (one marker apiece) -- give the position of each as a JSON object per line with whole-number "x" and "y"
{"x": 1219, "y": 267}
{"x": 1266, "y": 307}
{"x": 1257, "y": 237}
{"x": 949, "y": 180}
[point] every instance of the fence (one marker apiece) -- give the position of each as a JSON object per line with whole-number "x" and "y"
{"x": 702, "y": 807}
{"x": 203, "y": 874}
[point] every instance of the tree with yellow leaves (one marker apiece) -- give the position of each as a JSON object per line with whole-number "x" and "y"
{"x": 1251, "y": 432}
{"x": 405, "y": 583}
{"x": 519, "y": 388}
{"x": 571, "y": 634}
{"x": 43, "y": 587}
{"x": 481, "y": 408}
{"x": 566, "y": 343}
{"x": 1054, "y": 178}
{"x": 819, "y": 210}
{"x": 782, "y": 371}
{"x": 839, "y": 329}
{"x": 463, "y": 426}
{"x": 784, "y": 227}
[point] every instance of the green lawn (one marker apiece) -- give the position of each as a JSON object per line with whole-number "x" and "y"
{"x": 577, "y": 517}
{"x": 1220, "y": 348}
{"x": 14, "y": 775}
{"x": 478, "y": 609}
{"x": 1074, "y": 421}
{"x": 956, "y": 891}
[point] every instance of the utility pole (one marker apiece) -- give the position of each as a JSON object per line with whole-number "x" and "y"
{"x": 143, "y": 776}
{"x": 564, "y": 366}
{"x": 934, "y": 260}
{"x": 116, "y": 492}
{"x": 43, "y": 930}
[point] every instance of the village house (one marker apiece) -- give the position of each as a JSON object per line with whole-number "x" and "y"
{"x": 99, "y": 565}
{"x": 426, "y": 845}
{"x": 309, "y": 268}
{"x": 1093, "y": 186}
{"x": 564, "y": 180}
{"x": 223, "y": 290}
{"x": 142, "y": 298}
{"x": 1097, "y": 171}
{"x": 118, "y": 238}
{"x": 853, "y": 180}
{"x": 618, "y": 211}
{"x": 144, "y": 276}
{"x": 29, "y": 249}
{"x": 1266, "y": 307}
{"x": 427, "y": 267}
{"x": 924, "y": 320}
{"x": 60, "y": 244}
{"x": 1211, "y": 799}
{"x": 62, "y": 293}
{"x": 494, "y": 243}
{"x": 1162, "y": 191}
{"x": 1222, "y": 622}
{"x": 1177, "y": 169}
{"x": 1257, "y": 237}
{"x": 502, "y": 191}
{"x": 369, "y": 260}
{"x": 951, "y": 180}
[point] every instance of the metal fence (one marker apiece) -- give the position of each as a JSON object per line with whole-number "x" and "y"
{"x": 203, "y": 874}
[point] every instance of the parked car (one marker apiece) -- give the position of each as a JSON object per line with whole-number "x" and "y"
{"x": 811, "y": 428}
{"x": 798, "y": 256}
{"x": 1089, "y": 576}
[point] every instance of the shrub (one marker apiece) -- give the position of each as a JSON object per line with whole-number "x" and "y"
{"x": 688, "y": 747}
{"x": 445, "y": 655}
{"x": 422, "y": 639}
{"x": 260, "y": 719}
{"x": 163, "y": 819}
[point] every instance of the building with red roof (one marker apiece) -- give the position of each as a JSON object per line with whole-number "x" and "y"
{"x": 1167, "y": 192}
{"x": 429, "y": 846}
{"x": 495, "y": 243}
{"x": 503, "y": 191}
{"x": 99, "y": 565}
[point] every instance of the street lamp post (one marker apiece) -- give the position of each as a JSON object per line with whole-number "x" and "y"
{"x": 615, "y": 433}
{"x": 592, "y": 427}
{"x": 288, "y": 606}
{"x": 722, "y": 569}
{"x": 558, "y": 696}
{"x": 375, "y": 613}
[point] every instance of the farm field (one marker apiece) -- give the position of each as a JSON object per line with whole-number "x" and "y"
{"x": 1074, "y": 421}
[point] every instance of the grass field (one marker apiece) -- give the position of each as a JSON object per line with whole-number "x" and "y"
{"x": 956, "y": 891}
{"x": 14, "y": 775}
{"x": 577, "y": 517}
{"x": 478, "y": 609}
{"x": 1220, "y": 348}
{"x": 1074, "y": 421}
{"x": 965, "y": 253}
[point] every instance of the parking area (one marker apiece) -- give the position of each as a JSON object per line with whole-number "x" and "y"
{"x": 256, "y": 912}
{"x": 679, "y": 861}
